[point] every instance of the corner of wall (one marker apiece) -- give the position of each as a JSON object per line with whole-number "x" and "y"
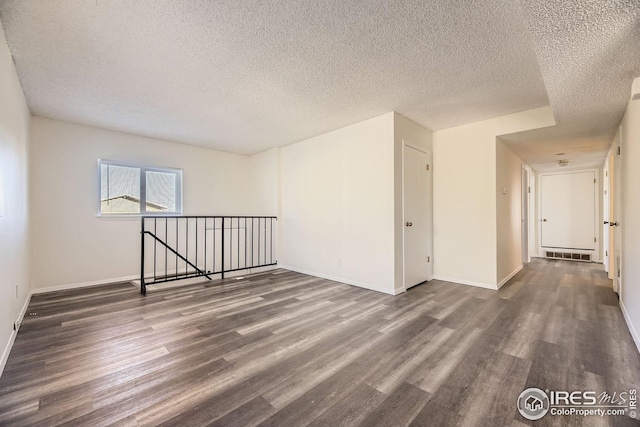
{"x": 508, "y": 213}
{"x": 15, "y": 120}
{"x": 14, "y": 333}
{"x": 465, "y": 197}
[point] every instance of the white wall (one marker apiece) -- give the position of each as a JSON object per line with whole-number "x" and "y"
{"x": 335, "y": 194}
{"x": 411, "y": 132}
{"x": 70, "y": 245}
{"x": 337, "y": 205}
{"x": 464, "y": 196}
{"x": 630, "y": 218}
{"x": 265, "y": 194}
{"x": 508, "y": 212}
{"x": 14, "y": 212}
{"x": 264, "y": 174}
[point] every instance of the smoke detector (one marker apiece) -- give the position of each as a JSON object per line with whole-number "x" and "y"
{"x": 562, "y": 162}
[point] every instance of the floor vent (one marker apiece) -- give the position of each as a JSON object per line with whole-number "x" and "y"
{"x": 568, "y": 255}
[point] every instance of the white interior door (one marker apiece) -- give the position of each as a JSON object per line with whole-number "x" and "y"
{"x": 417, "y": 228}
{"x": 613, "y": 197}
{"x": 568, "y": 210}
{"x": 606, "y": 209}
{"x": 615, "y": 219}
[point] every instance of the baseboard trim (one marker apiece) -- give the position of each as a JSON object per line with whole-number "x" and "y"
{"x": 83, "y": 284}
{"x": 136, "y": 280}
{"x": 509, "y": 277}
{"x": 465, "y": 282}
{"x": 342, "y": 280}
{"x": 632, "y": 329}
{"x": 14, "y": 334}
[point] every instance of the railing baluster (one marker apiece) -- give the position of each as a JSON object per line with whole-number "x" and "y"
{"x": 155, "y": 247}
{"x": 143, "y": 288}
{"x": 260, "y": 244}
{"x": 186, "y": 247}
{"x": 177, "y": 247}
{"x": 196, "y": 237}
{"x": 245, "y": 242}
{"x": 259, "y": 240}
{"x": 222, "y": 249}
{"x": 214, "y": 244}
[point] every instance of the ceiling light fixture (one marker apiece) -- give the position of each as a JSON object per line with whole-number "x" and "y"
{"x": 563, "y": 162}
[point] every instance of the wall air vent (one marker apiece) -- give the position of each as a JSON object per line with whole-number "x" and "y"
{"x": 567, "y": 256}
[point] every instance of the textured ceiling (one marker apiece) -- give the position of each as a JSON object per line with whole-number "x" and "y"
{"x": 589, "y": 53}
{"x": 243, "y": 76}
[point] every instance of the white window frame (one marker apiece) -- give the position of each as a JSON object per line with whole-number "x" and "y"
{"x": 143, "y": 188}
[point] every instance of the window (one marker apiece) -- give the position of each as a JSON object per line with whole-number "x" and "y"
{"x": 127, "y": 189}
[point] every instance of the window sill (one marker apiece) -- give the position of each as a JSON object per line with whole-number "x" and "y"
{"x": 134, "y": 217}
{"x": 119, "y": 217}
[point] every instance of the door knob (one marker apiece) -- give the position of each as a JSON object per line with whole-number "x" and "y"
{"x": 409, "y": 224}
{"x": 613, "y": 224}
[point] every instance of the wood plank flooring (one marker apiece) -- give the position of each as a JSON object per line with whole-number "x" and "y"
{"x": 285, "y": 349}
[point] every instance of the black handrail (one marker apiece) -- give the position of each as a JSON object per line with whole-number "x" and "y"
{"x": 204, "y": 246}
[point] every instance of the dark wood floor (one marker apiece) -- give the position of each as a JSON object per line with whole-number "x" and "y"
{"x": 285, "y": 349}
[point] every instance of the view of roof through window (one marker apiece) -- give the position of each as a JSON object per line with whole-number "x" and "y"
{"x": 121, "y": 189}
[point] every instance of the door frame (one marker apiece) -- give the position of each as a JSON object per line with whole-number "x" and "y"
{"x": 533, "y": 213}
{"x": 616, "y": 244}
{"x": 524, "y": 208}
{"x": 429, "y": 153}
{"x": 597, "y": 255}
{"x": 606, "y": 214}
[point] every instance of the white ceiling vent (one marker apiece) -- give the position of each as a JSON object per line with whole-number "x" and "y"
{"x": 563, "y": 162}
